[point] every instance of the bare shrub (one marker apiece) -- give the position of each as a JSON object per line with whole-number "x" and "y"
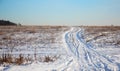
{"x": 48, "y": 59}
{"x": 9, "y": 59}
{"x": 19, "y": 60}
{"x": 6, "y": 58}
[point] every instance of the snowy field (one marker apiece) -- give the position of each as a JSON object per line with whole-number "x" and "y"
{"x": 59, "y": 48}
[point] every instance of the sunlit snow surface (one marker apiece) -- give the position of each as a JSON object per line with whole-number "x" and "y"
{"x": 72, "y": 51}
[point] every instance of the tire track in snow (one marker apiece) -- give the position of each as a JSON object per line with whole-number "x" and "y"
{"x": 85, "y": 56}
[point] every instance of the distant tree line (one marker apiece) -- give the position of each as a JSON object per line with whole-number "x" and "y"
{"x": 8, "y": 23}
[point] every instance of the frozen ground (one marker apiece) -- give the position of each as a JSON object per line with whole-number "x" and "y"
{"x": 60, "y": 49}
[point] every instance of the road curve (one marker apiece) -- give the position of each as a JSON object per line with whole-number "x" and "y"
{"x": 85, "y": 58}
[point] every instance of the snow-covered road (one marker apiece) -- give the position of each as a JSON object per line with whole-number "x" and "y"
{"x": 85, "y": 57}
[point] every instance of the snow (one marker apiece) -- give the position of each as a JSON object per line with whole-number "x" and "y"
{"x": 74, "y": 54}
{"x": 86, "y": 56}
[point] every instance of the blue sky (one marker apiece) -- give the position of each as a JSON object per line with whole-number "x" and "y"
{"x": 61, "y": 12}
